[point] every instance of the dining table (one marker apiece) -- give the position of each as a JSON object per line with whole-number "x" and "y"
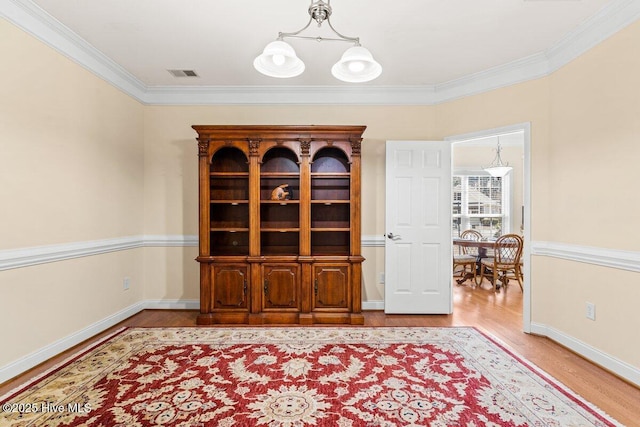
{"x": 482, "y": 246}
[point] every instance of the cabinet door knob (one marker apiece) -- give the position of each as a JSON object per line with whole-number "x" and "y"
{"x": 266, "y": 287}
{"x": 315, "y": 287}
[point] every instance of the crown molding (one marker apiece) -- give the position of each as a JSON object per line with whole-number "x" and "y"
{"x": 270, "y": 95}
{"x": 35, "y": 21}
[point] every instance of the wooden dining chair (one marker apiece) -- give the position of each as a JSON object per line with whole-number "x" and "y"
{"x": 467, "y": 257}
{"x": 505, "y": 264}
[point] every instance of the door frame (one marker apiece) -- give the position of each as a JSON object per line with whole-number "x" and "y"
{"x": 526, "y": 254}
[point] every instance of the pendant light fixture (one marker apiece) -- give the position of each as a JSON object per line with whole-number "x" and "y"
{"x": 497, "y": 168}
{"x": 280, "y": 60}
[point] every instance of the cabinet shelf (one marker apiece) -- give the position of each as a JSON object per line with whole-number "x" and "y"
{"x": 295, "y": 260}
{"x": 231, "y": 202}
{"x": 279, "y": 174}
{"x": 328, "y": 202}
{"x": 280, "y": 202}
{"x": 229, "y": 174}
{"x": 330, "y": 175}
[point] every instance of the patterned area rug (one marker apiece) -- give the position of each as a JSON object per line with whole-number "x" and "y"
{"x": 296, "y": 377}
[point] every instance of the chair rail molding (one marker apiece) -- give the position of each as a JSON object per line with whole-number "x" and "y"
{"x": 25, "y": 257}
{"x": 614, "y": 258}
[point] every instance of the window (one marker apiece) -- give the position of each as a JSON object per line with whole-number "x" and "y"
{"x": 481, "y": 202}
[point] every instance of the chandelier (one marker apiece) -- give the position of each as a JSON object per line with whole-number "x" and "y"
{"x": 497, "y": 168}
{"x": 279, "y": 59}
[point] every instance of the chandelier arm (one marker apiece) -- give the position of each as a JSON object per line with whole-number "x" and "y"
{"x": 355, "y": 40}
{"x": 317, "y": 38}
{"x": 343, "y": 38}
{"x": 281, "y": 35}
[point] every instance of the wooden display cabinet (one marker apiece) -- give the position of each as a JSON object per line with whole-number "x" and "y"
{"x": 292, "y": 260}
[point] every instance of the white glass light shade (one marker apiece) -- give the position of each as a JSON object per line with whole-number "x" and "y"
{"x": 498, "y": 171}
{"x": 279, "y": 60}
{"x": 356, "y": 66}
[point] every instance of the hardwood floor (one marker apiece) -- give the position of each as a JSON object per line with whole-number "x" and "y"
{"x": 497, "y": 314}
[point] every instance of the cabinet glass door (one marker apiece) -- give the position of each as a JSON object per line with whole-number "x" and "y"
{"x": 280, "y": 203}
{"x": 330, "y": 204}
{"x": 229, "y": 202}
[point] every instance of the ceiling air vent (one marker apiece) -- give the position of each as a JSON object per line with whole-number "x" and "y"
{"x": 183, "y": 73}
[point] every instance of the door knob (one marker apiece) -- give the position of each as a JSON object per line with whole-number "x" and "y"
{"x": 392, "y": 236}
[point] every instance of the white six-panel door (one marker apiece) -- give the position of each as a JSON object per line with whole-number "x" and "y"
{"x": 418, "y": 227}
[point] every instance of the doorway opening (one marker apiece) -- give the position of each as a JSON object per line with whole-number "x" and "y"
{"x": 491, "y": 206}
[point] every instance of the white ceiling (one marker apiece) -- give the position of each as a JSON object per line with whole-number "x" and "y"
{"x": 419, "y": 43}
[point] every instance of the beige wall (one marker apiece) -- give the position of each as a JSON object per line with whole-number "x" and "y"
{"x": 593, "y": 167}
{"x": 71, "y": 170}
{"x": 84, "y": 162}
{"x": 171, "y": 174}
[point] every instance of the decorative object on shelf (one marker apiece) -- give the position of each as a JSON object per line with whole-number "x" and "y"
{"x": 281, "y": 192}
{"x": 279, "y": 58}
{"x": 497, "y": 168}
{"x": 268, "y": 259}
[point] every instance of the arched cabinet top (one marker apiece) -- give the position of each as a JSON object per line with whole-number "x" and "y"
{"x": 229, "y": 159}
{"x": 330, "y": 159}
{"x": 256, "y": 140}
{"x": 280, "y": 159}
{"x": 279, "y": 224}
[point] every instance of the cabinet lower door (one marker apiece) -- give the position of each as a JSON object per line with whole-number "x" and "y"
{"x": 230, "y": 286}
{"x": 281, "y": 287}
{"x": 331, "y": 285}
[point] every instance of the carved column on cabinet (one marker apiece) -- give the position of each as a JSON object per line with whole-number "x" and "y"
{"x": 291, "y": 260}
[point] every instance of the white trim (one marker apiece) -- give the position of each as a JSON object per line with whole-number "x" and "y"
{"x": 525, "y": 128}
{"x": 617, "y": 366}
{"x": 23, "y": 364}
{"x": 290, "y": 95}
{"x": 35, "y": 21}
{"x": 613, "y": 258}
{"x": 47, "y": 352}
{"x": 171, "y": 240}
{"x": 372, "y": 305}
{"x": 172, "y": 304}
{"x": 26, "y": 257}
{"x": 372, "y": 241}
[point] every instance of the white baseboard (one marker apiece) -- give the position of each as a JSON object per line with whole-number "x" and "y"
{"x": 174, "y": 304}
{"x": 618, "y": 367}
{"x": 608, "y": 362}
{"x": 27, "y": 362}
{"x": 373, "y": 305}
{"x": 45, "y": 353}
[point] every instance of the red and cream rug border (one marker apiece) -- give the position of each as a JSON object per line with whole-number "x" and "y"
{"x": 464, "y": 337}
